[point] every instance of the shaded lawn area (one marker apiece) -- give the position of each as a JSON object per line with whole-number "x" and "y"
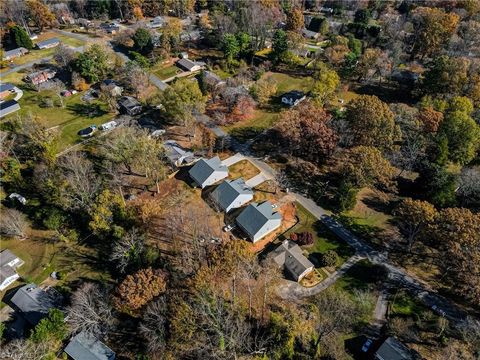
{"x": 324, "y": 239}
{"x": 74, "y": 116}
{"x": 243, "y": 169}
{"x": 286, "y": 82}
{"x": 360, "y": 276}
{"x": 404, "y": 305}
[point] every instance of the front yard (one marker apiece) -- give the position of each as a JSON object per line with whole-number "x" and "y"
{"x": 243, "y": 169}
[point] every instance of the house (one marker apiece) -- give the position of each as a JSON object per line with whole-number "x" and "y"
{"x": 6, "y": 89}
{"x": 12, "y": 54}
{"x": 9, "y": 262}
{"x": 213, "y": 79}
{"x": 405, "y": 77}
{"x": 189, "y": 65}
{"x": 39, "y": 77}
{"x": 293, "y": 97}
{"x": 110, "y": 28}
{"x": 156, "y": 22}
{"x": 208, "y": 172}
{"x": 176, "y": 154}
{"x": 84, "y": 22}
{"x": 392, "y": 349}
{"x": 129, "y": 105}
{"x": 84, "y": 346}
{"x": 232, "y": 194}
{"x": 112, "y": 87}
{"x": 259, "y": 220}
{"x": 8, "y": 107}
{"x": 289, "y": 256}
{"x": 47, "y": 44}
{"x": 32, "y": 302}
{"x": 310, "y": 34}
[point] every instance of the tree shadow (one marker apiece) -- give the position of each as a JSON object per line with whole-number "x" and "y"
{"x": 87, "y": 110}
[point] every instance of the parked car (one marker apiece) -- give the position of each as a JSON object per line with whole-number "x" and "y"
{"x": 367, "y": 345}
{"x": 87, "y": 132}
{"x": 108, "y": 125}
{"x": 438, "y": 310}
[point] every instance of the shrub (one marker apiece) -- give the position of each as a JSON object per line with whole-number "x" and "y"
{"x": 305, "y": 238}
{"x": 329, "y": 258}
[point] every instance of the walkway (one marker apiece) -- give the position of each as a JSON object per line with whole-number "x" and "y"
{"x": 256, "y": 180}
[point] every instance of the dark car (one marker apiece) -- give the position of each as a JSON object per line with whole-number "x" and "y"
{"x": 88, "y": 131}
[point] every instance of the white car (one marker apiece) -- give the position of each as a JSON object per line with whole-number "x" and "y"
{"x": 228, "y": 228}
{"x": 108, "y": 125}
{"x": 367, "y": 345}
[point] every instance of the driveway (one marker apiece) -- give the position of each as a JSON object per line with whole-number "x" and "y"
{"x": 18, "y": 93}
{"x": 256, "y": 180}
{"x": 233, "y": 159}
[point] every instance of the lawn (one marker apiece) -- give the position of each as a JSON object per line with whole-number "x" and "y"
{"x": 287, "y": 82}
{"x": 403, "y": 304}
{"x": 74, "y": 116}
{"x": 243, "y": 169}
{"x": 39, "y": 54}
{"x": 165, "y": 71}
{"x": 324, "y": 238}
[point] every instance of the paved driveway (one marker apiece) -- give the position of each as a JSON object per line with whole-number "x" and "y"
{"x": 233, "y": 159}
{"x": 256, "y": 180}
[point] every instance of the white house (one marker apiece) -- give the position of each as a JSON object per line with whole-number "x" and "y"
{"x": 259, "y": 220}
{"x": 293, "y": 97}
{"x": 208, "y": 172}
{"x": 232, "y": 194}
{"x": 9, "y": 262}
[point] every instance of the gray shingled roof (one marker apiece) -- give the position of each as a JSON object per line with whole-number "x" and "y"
{"x": 203, "y": 169}
{"x": 6, "y": 272}
{"x": 33, "y": 302}
{"x": 392, "y": 349}
{"x": 294, "y": 94}
{"x": 290, "y": 256}
{"x": 229, "y": 190}
{"x": 174, "y": 152}
{"x": 85, "y": 347}
{"x": 6, "y": 256}
{"x": 6, "y": 87}
{"x": 255, "y": 216}
{"x": 48, "y": 42}
{"x": 186, "y": 64}
{"x": 17, "y": 51}
{"x": 8, "y": 107}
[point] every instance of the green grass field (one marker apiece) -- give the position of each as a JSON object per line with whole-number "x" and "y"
{"x": 165, "y": 72}
{"x": 74, "y": 116}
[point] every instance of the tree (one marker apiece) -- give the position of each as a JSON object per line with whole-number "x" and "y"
{"x": 446, "y": 75}
{"x": 457, "y": 234}
{"x": 79, "y": 82}
{"x": 51, "y": 328}
{"x": 304, "y": 131}
{"x": 437, "y": 185}
{"x": 21, "y": 37}
{"x": 413, "y": 217}
{"x": 303, "y": 238}
{"x": 63, "y": 55}
{"x": 279, "y": 46}
{"x": 329, "y": 258}
{"x": 463, "y": 136}
{"x": 140, "y": 288}
{"x": 94, "y": 63}
{"x": 469, "y": 186}
{"x": 90, "y": 310}
{"x": 230, "y": 47}
{"x": 135, "y": 79}
{"x": 295, "y": 20}
{"x": 102, "y": 211}
{"x": 264, "y": 89}
{"x": 432, "y": 28}
{"x": 154, "y": 325}
{"x": 366, "y": 166}
{"x": 325, "y": 84}
{"x": 142, "y": 41}
{"x": 430, "y": 119}
{"x": 346, "y": 196}
{"x": 128, "y": 250}
{"x": 13, "y": 223}
{"x": 371, "y": 122}
{"x": 362, "y": 16}
{"x": 40, "y": 14}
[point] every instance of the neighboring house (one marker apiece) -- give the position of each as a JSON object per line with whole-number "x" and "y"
{"x": 15, "y": 53}
{"x": 405, "y": 77}
{"x": 259, "y": 220}
{"x": 189, "y": 65}
{"x": 8, "y": 107}
{"x": 208, "y": 172}
{"x": 156, "y": 22}
{"x": 176, "y": 154}
{"x": 310, "y": 34}
{"x": 84, "y": 22}
{"x": 32, "y": 302}
{"x": 6, "y": 89}
{"x": 39, "y": 77}
{"x": 110, "y": 28}
{"x": 392, "y": 349}
{"x": 213, "y": 79}
{"x": 232, "y": 194}
{"x": 9, "y": 262}
{"x": 84, "y": 346}
{"x": 112, "y": 87}
{"x": 290, "y": 257}
{"x": 293, "y": 97}
{"x": 47, "y": 44}
{"x": 129, "y": 105}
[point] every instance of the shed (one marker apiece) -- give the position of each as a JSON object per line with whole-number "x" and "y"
{"x": 84, "y": 346}
{"x": 232, "y": 194}
{"x": 208, "y": 172}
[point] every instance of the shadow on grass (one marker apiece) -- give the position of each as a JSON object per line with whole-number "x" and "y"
{"x": 362, "y": 275}
{"x": 365, "y": 231}
{"x": 87, "y": 110}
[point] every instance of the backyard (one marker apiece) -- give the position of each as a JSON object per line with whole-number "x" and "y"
{"x": 243, "y": 169}
{"x": 165, "y": 71}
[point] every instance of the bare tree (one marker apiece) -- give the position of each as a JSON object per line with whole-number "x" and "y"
{"x": 13, "y": 223}
{"x": 90, "y": 310}
{"x": 57, "y": 86}
{"x": 128, "y": 249}
{"x": 154, "y": 325}
{"x": 24, "y": 349}
{"x": 469, "y": 185}
{"x": 63, "y": 55}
